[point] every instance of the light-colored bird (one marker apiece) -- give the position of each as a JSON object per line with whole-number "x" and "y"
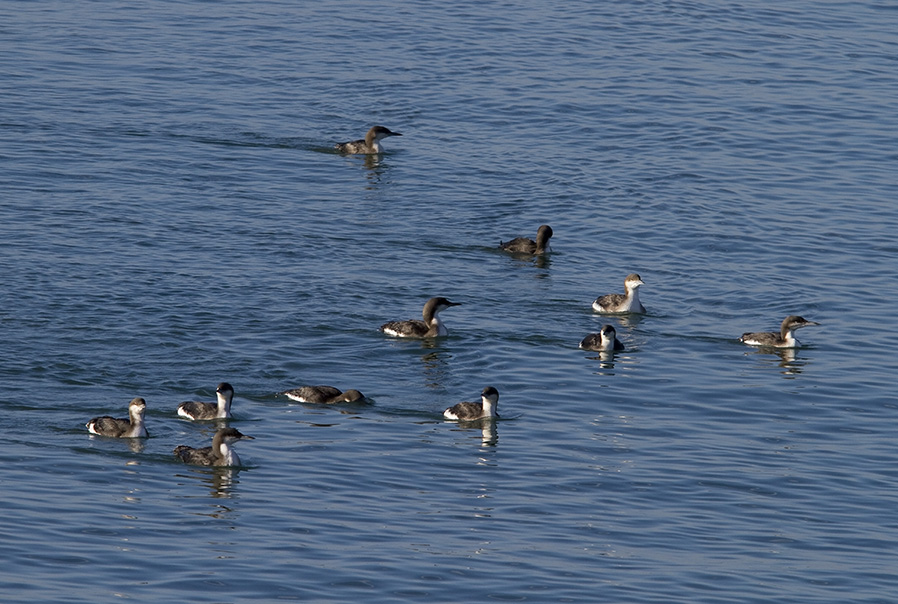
{"x": 133, "y": 427}
{"x": 622, "y": 303}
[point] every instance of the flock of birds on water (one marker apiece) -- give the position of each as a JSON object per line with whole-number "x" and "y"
{"x": 222, "y": 454}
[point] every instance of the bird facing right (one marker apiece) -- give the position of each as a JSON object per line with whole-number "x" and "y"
{"x": 486, "y": 408}
{"x": 784, "y": 339}
{"x": 622, "y": 303}
{"x": 221, "y": 453}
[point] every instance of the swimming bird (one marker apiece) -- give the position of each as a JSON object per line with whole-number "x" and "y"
{"x": 122, "y": 428}
{"x": 523, "y": 245}
{"x": 371, "y": 143}
{"x": 486, "y": 408}
{"x": 220, "y": 453}
{"x": 784, "y": 339}
{"x": 430, "y": 327}
{"x": 222, "y": 409}
{"x": 620, "y": 303}
{"x": 604, "y": 341}
{"x": 324, "y": 394}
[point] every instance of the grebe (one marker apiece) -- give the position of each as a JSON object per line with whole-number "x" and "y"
{"x": 199, "y": 411}
{"x": 430, "y": 327}
{"x": 370, "y": 145}
{"x": 523, "y": 245}
{"x": 604, "y": 341}
{"x": 486, "y": 408}
{"x": 219, "y": 454}
{"x": 620, "y": 303}
{"x": 122, "y": 428}
{"x": 324, "y": 394}
{"x": 784, "y": 339}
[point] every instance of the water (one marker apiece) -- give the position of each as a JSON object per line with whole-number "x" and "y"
{"x": 172, "y": 217}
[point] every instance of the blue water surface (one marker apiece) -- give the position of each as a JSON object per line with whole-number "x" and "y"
{"x": 172, "y": 215}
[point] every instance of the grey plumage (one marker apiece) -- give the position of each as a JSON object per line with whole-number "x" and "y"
{"x": 324, "y": 394}
{"x": 604, "y": 341}
{"x": 784, "y": 339}
{"x": 428, "y": 328}
{"x": 486, "y": 408}
{"x": 622, "y": 303}
{"x": 197, "y": 410}
{"x": 523, "y": 245}
{"x": 219, "y": 454}
{"x": 132, "y": 427}
{"x": 369, "y": 145}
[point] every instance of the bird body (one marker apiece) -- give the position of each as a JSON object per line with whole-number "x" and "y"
{"x": 486, "y": 408}
{"x": 523, "y": 245}
{"x": 133, "y": 427}
{"x": 197, "y": 410}
{"x": 604, "y": 341}
{"x": 784, "y": 339}
{"x": 221, "y": 453}
{"x": 324, "y": 394}
{"x": 370, "y": 145}
{"x": 622, "y": 303}
{"x": 430, "y": 327}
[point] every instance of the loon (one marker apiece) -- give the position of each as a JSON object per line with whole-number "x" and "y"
{"x": 523, "y": 245}
{"x": 324, "y": 394}
{"x": 604, "y": 341}
{"x": 219, "y": 454}
{"x": 196, "y": 410}
{"x": 470, "y": 411}
{"x": 370, "y": 145}
{"x": 620, "y": 303}
{"x": 122, "y": 428}
{"x": 430, "y": 327}
{"x": 784, "y": 339}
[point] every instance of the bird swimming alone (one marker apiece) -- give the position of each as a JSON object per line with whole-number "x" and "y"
{"x": 486, "y": 408}
{"x": 430, "y": 327}
{"x": 371, "y": 143}
{"x": 523, "y": 245}
{"x": 604, "y": 341}
{"x": 220, "y": 453}
{"x": 620, "y": 303}
{"x": 122, "y": 428}
{"x": 196, "y": 410}
{"x": 784, "y": 339}
{"x": 324, "y": 394}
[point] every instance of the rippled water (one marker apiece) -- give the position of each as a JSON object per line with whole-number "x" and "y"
{"x": 172, "y": 217}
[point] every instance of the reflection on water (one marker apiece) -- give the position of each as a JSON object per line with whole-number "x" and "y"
{"x": 219, "y": 481}
{"x": 606, "y": 362}
{"x": 630, "y": 321}
{"x": 436, "y": 366}
{"x": 489, "y": 435}
{"x": 541, "y": 261}
{"x": 789, "y": 361}
{"x": 135, "y": 445}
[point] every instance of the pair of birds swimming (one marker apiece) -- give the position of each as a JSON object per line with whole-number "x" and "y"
{"x": 220, "y": 453}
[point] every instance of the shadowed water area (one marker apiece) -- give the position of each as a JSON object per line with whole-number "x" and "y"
{"x": 172, "y": 216}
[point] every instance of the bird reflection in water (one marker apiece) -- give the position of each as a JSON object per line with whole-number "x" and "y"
{"x": 789, "y": 361}
{"x": 220, "y": 481}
